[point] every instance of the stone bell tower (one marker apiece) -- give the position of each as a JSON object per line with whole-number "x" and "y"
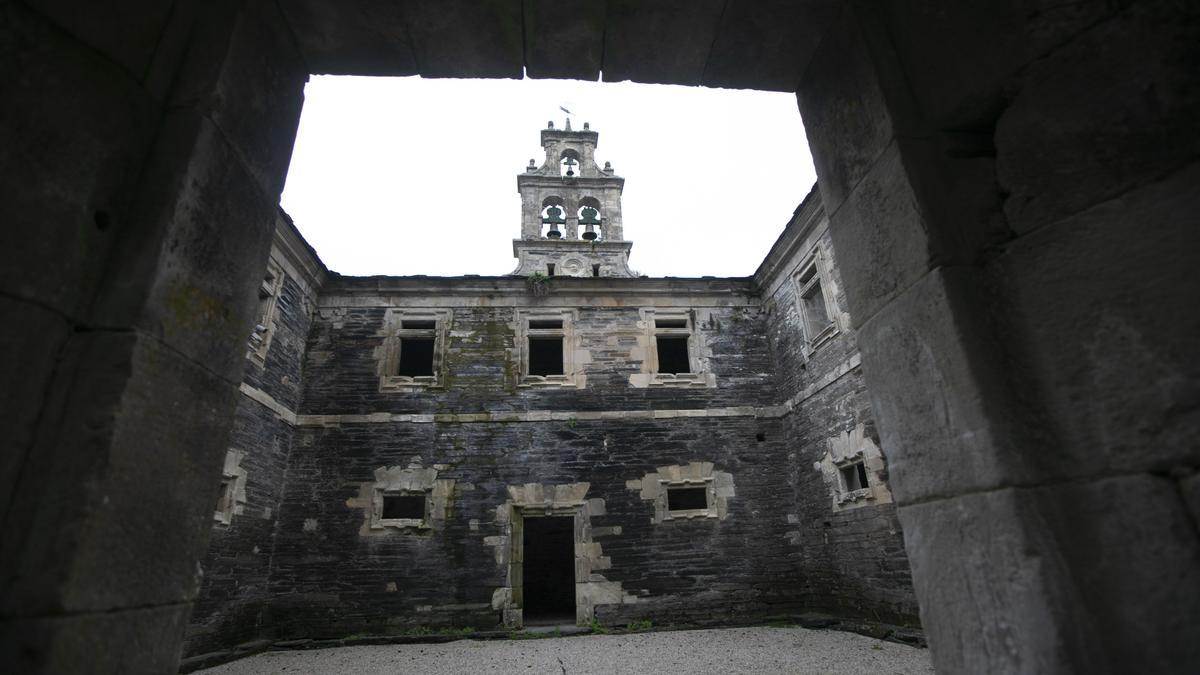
{"x": 571, "y": 211}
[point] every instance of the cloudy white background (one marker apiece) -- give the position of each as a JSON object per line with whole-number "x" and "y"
{"x": 409, "y": 176}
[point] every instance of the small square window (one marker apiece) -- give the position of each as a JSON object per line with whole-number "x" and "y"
{"x": 687, "y": 498}
{"x": 416, "y": 357}
{"x": 854, "y": 476}
{"x": 545, "y": 356}
{"x": 403, "y": 507}
{"x": 673, "y": 354}
{"x": 418, "y": 324}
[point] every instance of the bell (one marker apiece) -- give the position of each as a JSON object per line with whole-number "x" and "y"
{"x": 590, "y": 219}
{"x": 554, "y": 218}
{"x": 589, "y": 232}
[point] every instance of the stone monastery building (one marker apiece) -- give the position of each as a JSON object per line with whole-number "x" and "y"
{"x": 570, "y": 442}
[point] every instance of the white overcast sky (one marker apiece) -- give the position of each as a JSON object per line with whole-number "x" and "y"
{"x": 409, "y": 176}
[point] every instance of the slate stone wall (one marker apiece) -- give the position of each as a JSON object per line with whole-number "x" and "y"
{"x": 341, "y": 376}
{"x": 231, "y": 607}
{"x": 330, "y": 579}
{"x": 850, "y": 563}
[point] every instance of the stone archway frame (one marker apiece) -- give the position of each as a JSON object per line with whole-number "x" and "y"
{"x": 536, "y": 500}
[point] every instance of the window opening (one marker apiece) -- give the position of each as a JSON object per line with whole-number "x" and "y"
{"x": 760, "y": 437}
{"x": 404, "y": 507}
{"x": 545, "y": 356}
{"x": 225, "y": 498}
{"x": 416, "y": 356}
{"x": 549, "y": 269}
{"x": 546, "y": 324}
{"x": 673, "y": 354}
{"x": 595, "y": 270}
{"x": 854, "y": 476}
{"x": 670, "y": 323}
{"x": 687, "y": 498}
{"x": 814, "y": 308}
{"x": 418, "y": 324}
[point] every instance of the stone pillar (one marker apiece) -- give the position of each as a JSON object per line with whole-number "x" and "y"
{"x": 144, "y": 164}
{"x": 1017, "y": 291}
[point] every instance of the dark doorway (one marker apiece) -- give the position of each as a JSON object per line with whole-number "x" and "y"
{"x": 549, "y": 570}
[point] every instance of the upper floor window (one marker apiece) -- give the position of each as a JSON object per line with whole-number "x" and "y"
{"x": 673, "y": 353}
{"x": 816, "y": 310}
{"x": 548, "y": 345}
{"x": 265, "y": 314}
{"x": 413, "y": 348}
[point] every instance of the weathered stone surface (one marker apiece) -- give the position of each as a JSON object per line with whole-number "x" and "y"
{"x": 118, "y": 491}
{"x": 243, "y": 73}
{"x": 1115, "y": 370}
{"x": 845, "y": 113}
{"x": 367, "y": 37}
{"x": 938, "y": 387}
{"x": 143, "y": 640}
{"x": 969, "y": 89}
{"x": 563, "y": 39}
{"x": 766, "y": 44}
{"x": 1076, "y": 562}
{"x": 465, "y": 38}
{"x": 661, "y": 42}
{"x": 25, "y": 376}
{"x": 72, "y": 151}
{"x": 129, "y": 31}
{"x": 1121, "y": 91}
{"x": 883, "y": 242}
{"x": 194, "y": 288}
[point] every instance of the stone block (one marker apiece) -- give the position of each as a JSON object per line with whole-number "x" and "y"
{"x": 938, "y": 389}
{"x": 961, "y": 81}
{"x": 563, "y": 39}
{"x": 118, "y": 495}
{"x": 1091, "y": 120}
{"x": 883, "y": 242}
{"x": 767, "y": 44}
{"x": 368, "y": 37}
{"x": 845, "y": 111}
{"x": 465, "y": 38}
{"x": 30, "y": 337}
{"x": 661, "y": 42}
{"x": 74, "y": 137}
{"x": 243, "y": 72}
{"x": 129, "y": 641}
{"x": 1067, "y": 577}
{"x": 1098, "y": 301}
{"x": 195, "y": 250}
{"x": 127, "y": 31}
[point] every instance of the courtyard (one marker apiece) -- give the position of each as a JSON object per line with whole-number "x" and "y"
{"x": 757, "y": 650}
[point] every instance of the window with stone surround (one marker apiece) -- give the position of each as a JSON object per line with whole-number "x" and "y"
{"x": 231, "y": 498}
{"x": 689, "y": 499}
{"x": 854, "y": 469}
{"x": 401, "y": 509}
{"x": 817, "y": 312}
{"x": 548, "y": 347}
{"x": 413, "y": 349}
{"x": 263, "y": 331}
{"x": 674, "y": 349}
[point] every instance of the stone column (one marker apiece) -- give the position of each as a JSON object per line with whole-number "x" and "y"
{"x": 151, "y": 154}
{"x": 1016, "y": 290}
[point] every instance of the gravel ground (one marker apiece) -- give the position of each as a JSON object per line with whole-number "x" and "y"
{"x": 729, "y": 650}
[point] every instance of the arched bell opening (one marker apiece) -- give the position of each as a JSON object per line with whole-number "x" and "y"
{"x": 554, "y": 218}
{"x": 568, "y": 164}
{"x": 590, "y": 219}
